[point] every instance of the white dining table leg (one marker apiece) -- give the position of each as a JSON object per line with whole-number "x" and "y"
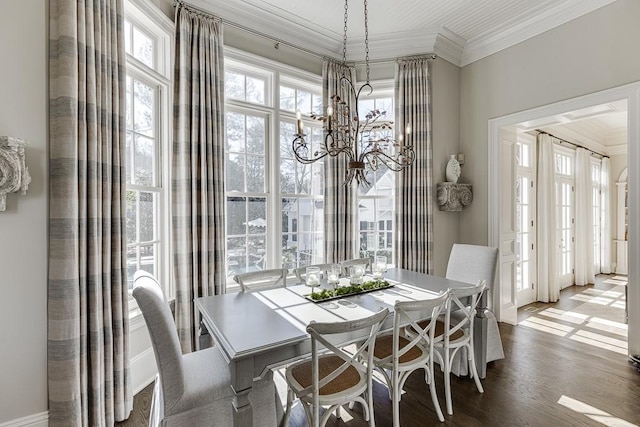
{"x": 242, "y": 384}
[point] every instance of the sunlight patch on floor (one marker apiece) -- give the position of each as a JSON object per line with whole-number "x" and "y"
{"x": 546, "y": 326}
{"x": 566, "y": 316}
{"x": 605, "y": 340}
{"x": 591, "y": 299}
{"x": 593, "y": 413}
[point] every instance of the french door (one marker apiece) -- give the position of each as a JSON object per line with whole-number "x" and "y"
{"x": 565, "y": 225}
{"x": 526, "y": 247}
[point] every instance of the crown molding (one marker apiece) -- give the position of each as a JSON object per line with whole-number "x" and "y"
{"x": 392, "y": 45}
{"x": 577, "y": 138}
{"x": 281, "y": 26}
{"x": 504, "y": 37}
{"x": 617, "y": 150}
{"x": 449, "y": 46}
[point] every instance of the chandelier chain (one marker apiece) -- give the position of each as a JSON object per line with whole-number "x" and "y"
{"x": 366, "y": 39}
{"x": 344, "y": 37}
{"x": 366, "y": 141}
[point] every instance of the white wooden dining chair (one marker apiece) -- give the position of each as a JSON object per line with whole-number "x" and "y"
{"x": 358, "y": 261}
{"x": 261, "y": 280}
{"x": 332, "y": 376}
{"x": 397, "y": 355}
{"x": 193, "y": 389}
{"x": 301, "y": 272}
{"x": 453, "y": 335}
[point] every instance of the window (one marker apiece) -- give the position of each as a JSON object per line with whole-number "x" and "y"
{"x": 275, "y": 205}
{"x": 376, "y": 204}
{"x": 147, "y": 125}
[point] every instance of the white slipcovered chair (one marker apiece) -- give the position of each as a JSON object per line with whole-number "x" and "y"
{"x": 470, "y": 264}
{"x": 193, "y": 389}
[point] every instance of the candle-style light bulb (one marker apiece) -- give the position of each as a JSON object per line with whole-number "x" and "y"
{"x": 300, "y": 124}
{"x": 408, "y": 129}
{"x": 329, "y": 114}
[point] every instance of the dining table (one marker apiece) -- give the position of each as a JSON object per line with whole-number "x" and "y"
{"x": 262, "y": 330}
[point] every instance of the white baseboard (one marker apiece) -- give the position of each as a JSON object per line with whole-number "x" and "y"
{"x": 143, "y": 370}
{"x": 143, "y": 373}
{"x": 35, "y": 420}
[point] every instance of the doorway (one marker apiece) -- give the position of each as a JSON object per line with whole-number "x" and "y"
{"x": 505, "y": 298}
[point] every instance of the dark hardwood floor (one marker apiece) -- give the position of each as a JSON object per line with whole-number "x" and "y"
{"x": 561, "y": 368}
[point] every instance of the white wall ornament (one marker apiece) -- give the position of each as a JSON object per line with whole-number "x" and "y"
{"x": 14, "y": 174}
{"x": 452, "y": 171}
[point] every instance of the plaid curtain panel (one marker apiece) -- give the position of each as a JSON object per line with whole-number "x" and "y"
{"x": 414, "y": 185}
{"x": 340, "y": 217}
{"x": 198, "y": 219}
{"x": 88, "y": 329}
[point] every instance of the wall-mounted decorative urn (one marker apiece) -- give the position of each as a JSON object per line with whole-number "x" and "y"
{"x": 14, "y": 174}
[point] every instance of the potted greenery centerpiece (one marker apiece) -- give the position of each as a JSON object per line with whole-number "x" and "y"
{"x": 345, "y": 291}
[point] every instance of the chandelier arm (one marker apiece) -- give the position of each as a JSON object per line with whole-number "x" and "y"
{"x": 393, "y": 163}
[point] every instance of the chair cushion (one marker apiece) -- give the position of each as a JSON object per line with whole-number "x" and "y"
{"x": 351, "y": 377}
{"x": 384, "y": 348}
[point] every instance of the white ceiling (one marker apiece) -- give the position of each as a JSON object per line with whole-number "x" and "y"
{"x": 601, "y": 128}
{"x": 460, "y": 31}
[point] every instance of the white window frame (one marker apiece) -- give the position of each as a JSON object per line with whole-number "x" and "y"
{"x": 256, "y": 66}
{"x": 382, "y": 89}
{"x": 152, "y": 22}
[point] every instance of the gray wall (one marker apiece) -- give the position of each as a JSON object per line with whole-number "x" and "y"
{"x": 589, "y": 54}
{"x": 23, "y": 226}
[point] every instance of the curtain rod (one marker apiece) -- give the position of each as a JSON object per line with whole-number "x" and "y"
{"x": 278, "y": 42}
{"x": 572, "y": 143}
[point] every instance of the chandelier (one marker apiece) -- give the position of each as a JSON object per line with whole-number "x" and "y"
{"x": 368, "y": 143}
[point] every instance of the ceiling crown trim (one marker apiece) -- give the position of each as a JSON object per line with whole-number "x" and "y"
{"x": 507, "y": 36}
{"x": 289, "y": 28}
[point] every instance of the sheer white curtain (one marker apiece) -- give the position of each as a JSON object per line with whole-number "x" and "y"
{"x": 548, "y": 285}
{"x": 605, "y": 216}
{"x": 584, "y": 266}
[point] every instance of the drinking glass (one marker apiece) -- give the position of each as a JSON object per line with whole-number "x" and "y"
{"x": 312, "y": 278}
{"x": 356, "y": 274}
{"x": 379, "y": 267}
